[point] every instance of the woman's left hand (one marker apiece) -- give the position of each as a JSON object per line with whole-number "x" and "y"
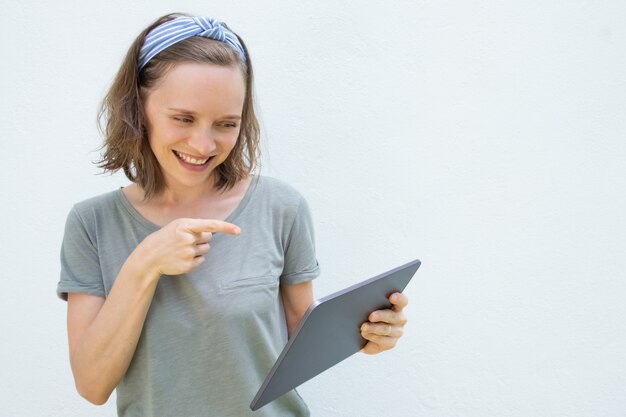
{"x": 385, "y": 327}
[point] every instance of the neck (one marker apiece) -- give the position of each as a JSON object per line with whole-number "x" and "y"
{"x": 181, "y": 195}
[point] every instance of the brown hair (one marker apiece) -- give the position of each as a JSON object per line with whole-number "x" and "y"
{"x": 126, "y": 143}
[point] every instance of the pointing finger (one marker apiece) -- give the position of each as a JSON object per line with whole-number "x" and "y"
{"x": 210, "y": 225}
{"x": 203, "y": 237}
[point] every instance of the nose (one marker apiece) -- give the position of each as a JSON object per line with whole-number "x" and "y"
{"x": 203, "y": 141}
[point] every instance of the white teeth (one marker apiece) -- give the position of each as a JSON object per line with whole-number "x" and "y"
{"x": 191, "y": 160}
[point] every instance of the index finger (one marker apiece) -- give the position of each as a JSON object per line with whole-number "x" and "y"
{"x": 398, "y": 300}
{"x": 210, "y": 225}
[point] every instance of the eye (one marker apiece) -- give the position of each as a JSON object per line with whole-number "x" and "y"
{"x": 182, "y": 119}
{"x": 230, "y": 125}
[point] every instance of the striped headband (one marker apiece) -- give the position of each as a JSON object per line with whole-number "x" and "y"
{"x": 181, "y": 28}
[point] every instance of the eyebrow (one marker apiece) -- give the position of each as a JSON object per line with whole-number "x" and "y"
{"x": 228, "y": 116}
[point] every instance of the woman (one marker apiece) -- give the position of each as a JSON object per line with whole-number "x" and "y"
{"x": 183, "y": 287}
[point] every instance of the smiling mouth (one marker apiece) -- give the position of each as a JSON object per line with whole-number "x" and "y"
{"x": 191, "y": 160}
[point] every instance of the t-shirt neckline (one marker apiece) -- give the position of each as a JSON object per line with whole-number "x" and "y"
{"x": 153, "y": 227}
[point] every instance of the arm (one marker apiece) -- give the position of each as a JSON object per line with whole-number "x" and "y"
{"x": 103, "y": 333}
{"x": 296, "y": 300}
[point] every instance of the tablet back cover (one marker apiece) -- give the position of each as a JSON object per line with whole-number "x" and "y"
{"x": 329, "y": 332}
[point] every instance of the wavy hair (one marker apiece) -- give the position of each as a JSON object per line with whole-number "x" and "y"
{"x": 122, "y": 119}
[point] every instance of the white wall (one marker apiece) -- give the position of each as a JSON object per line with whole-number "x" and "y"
{"x": 485, "y": 138}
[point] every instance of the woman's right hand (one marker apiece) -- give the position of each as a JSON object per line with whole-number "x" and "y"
{"x": 180, "y": 246}
{"x": 103, "y": 333}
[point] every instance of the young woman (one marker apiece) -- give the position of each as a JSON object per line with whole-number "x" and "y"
{"x": 184, "y": 286}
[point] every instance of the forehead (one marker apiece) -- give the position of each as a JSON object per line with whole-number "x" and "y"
{"x": 200, "y": 87}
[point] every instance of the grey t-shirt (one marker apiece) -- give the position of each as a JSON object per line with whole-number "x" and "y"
{"x": 212, "y": 335}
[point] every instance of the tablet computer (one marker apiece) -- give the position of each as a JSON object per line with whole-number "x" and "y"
{"x": 329, "y": 332}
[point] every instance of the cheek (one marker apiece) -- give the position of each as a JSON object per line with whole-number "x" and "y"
{"x": 154, "y": 144}
{"x": 230, "y": 140}
{"x": 164, "y": 136}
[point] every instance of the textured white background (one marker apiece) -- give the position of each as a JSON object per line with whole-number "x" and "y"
{"x": 486, "y": 138}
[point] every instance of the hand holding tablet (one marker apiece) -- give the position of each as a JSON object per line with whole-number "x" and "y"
{"x": 331, "y": 329}
{"x": 385, "y": 327}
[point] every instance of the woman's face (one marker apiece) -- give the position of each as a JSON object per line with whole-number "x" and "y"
{"x": 193, "y": 120}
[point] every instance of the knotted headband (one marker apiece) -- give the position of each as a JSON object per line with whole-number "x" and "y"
{"x": 181, "y": 28}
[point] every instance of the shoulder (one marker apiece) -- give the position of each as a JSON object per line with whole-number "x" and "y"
{"x": 278, "y": 189}
{"x": 108, "y": 199}
{"x": 101, "y": 205}
{"x": 277, "y": 198}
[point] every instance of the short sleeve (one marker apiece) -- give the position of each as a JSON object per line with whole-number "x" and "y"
{"x": 300, "y": 260}
{"x": 80, "y": 265}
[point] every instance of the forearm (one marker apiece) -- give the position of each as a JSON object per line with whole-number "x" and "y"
{"x": 103, "y": 353}
{"x": 296, "y": 300}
